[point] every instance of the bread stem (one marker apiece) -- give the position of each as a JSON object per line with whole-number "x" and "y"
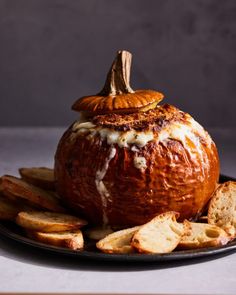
{"x": 118, "y": 78}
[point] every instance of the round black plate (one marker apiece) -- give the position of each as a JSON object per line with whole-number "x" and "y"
{"x": 13, "y": 232}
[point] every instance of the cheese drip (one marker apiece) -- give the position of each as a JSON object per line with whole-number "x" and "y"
{"x": 185, "y": 132}
{"x": 101, "y": 188}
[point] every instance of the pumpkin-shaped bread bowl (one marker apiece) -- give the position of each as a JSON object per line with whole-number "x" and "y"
{"x": 128, "y": 159}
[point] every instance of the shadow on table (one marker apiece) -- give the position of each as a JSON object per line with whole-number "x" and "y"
{"x": 26, "y": 254}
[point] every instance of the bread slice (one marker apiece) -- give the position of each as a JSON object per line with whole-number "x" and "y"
{"x": 118, "y": 242}
{"x": 222, "y": 208}
{"x": 16, "y": 188}
{"x": 49, "y": 221}
{"x": 73, "y": 240}
{"x": 160, "y": 235}
{"x": 40, "y": 176}
{"x": 8, "y": 210}
{"x": 98, "y": 233}
{"x": 201, "y": 235}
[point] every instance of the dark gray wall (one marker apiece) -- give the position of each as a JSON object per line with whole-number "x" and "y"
{"x": 53, "y": 51}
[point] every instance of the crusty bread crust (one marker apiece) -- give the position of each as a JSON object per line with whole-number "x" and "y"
{"x": 49, "y": 221}
{"x": 151, "y": 120}
{"x": 161, "y": 235}
{"x": 118, "y": 242}
{"x": 222, "y": 208}
{"x": 40, "y": 176}
{"x": 73, "y": 240}
{"x": 16, "y": 188}
{"x": 202, "y": 235}
{"x": 181, "y": 168}
{"x": 8, "y": 209}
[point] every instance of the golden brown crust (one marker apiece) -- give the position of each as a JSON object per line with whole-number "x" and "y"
{"x": 118, "y": 242}
{"x": 178, "y": 176}
{"x": 120, "y": 103}
{"x": 151, "y": 120}
{"x": 203, "y": 235}
{"x": 160, "y": 235}
{"x": 17, "y": 189}
{"x": 8, "y": 209}
{"x": 49, "y": 221}
{"x": 222, "y": 206}
{"x": 73, "y": 239}
{"x": 42, "y": 177}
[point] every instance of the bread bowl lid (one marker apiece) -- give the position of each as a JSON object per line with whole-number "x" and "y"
{"x": 117, "y": 96}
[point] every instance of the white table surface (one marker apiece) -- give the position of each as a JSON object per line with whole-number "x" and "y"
{"x": 23, "y": 269}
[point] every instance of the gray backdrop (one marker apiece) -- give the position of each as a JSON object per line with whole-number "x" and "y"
{"x": 53, "y": 51}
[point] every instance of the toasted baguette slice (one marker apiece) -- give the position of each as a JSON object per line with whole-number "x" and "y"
{"x": 73, "y": 240}
{"x": 49, "y": 221}
{"x": 160, "y": 235}
{"x": 118, "y": 242}
{"x": 201, "y": 235}
{"x": 15, "y": 188}
{"x": 98, "y": 233}
{"x": 40, "y": 176}
{"x": 8, "y": 210}
{"x": 222, "y": 208}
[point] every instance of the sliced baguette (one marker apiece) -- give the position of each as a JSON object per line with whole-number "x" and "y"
{"x": 49, "y": 221}
{"x": 8, "y": 209}
{"x": 73, "y": 240}
{"x": 98, "y": 233}
{"x": 118, "y": 242}
{"x": 39, "y": 176}
{"x": 201, "y": 235}
{"x": 160, "y": 235}
{"x": 222, "y": 208}
{"x": 16, "y": 188}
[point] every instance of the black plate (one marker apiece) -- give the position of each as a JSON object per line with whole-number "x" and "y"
{"x": 13, "y": 232}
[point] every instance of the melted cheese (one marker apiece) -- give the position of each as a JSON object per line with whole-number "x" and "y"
{"x": 122, "y": 138}
{"x": 134, "y": 149}
{"x": 101, "y": 188}
{"x": 82, "y": 126}
{"x": 184, "y": 133}
{"x": 140, "y": 163}
{"x": 125, "y": 139}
